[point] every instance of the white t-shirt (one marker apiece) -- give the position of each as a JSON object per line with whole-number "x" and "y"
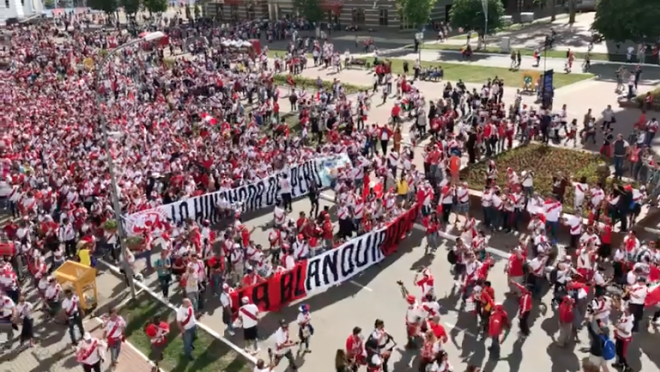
{"x": 192, "y": 282}
{"x": 281, "y": 338}
{"x": 249, "y": 315}
{"x": 186, "y": 316}
{"x": 7, "y": 306}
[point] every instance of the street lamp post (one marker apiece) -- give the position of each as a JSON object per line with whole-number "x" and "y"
{"x": 484, "y": 5}
{"x": 152, "y": 36}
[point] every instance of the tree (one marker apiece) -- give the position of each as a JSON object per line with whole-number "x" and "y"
{"x": 130, "y": 6}
{"x": 572, "y": 10}
{"x": 469, "y": 14}
{"x": 621, "y": 20}
{"x": 108, "y": 6}
{"x": 415, "y": 12}
{"x": 310, "y": 9}
{"x": 155, "y": 6}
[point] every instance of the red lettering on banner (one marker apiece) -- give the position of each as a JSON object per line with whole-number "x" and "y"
{"x": 277, "y": 291}
{"x": 398, "y": 229}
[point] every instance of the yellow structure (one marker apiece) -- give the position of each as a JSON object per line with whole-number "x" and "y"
{"x": 80, "y": 278}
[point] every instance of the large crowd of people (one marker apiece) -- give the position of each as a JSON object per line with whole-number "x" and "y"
{"x": 187, "y": 119}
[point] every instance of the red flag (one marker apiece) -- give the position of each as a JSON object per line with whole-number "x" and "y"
{"x": 376, "y": 185}
{"x": 653, "y": 298}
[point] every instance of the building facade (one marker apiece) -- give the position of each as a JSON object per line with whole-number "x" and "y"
{"x": 364, "y": 13}
{"x": 20, "y": 9}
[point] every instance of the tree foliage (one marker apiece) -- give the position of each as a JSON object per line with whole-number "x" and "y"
{"x": 155, "y": 6}
{"x": 634, "y": 20}
{"x": 469, "y": 14}
{"x": 415, "y": 12}
{"x": 310, "y": 9}
{"x": 130, "y": 6}
{"x": 108, "y": 6}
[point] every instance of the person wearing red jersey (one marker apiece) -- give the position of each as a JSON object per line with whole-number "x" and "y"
{"x": 515, "y": 269}
{"x": 429, "y": 350}
{"x": 432, "y": 224}
{"x": 566, "y": 312}
{"x": 497, "y": 323}
{"x": 355, "y": 352}
{"x": 524, "y": 309}
{"x": 486, "y": 303}
{"x": 157, "y": 332}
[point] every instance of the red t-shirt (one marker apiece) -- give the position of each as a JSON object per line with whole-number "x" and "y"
{"x": 152, "y": 332}
{"x": 438, "y": 331}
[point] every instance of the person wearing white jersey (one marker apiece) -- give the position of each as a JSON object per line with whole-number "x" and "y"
{"x": 7, "y": 314}
{"x": 574, "y": 225}
{"x": 248, "y": 315}
{"x": 279, "y": 216}
{"x": 638, "y": 293}
{"x": 91, "y": 353}
{"x": 73, "y": 312}
{"x": 113, "y": 334}
{"x": 285, "y": 191}
{"x": 185, "y": 319}
{"x": 24, "y": 310}
{"x": 283, "y": 346}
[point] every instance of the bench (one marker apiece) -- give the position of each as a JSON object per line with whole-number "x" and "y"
{"x": 639, "y": 103}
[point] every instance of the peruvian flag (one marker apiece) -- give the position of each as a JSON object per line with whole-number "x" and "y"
{"x": 653, "y": 297}
{"x": 376, "y": 185}
{"x": 209, "y": 119}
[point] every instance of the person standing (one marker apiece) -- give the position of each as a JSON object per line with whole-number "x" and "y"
{"x": 7, "y": 315}
{"x": 187, "y": 323}
{"x": 227, "y": 306}
{"x": 91, "y": 353}
{"x": 623, "y": 336}
{"x": 313, "y": 199}
{"x": 67, "y": 235}
{"x": 305, "y": 329}
{"x": 157, "y": 332}
{"x": 163, "y": 266}
{"x": 566, "y": 318}
{"x": 24, "y": 315}
{"x": 113, "y": 333}
{"x": 497, "y": 323}
{"x": 285, "y": 192}
{"x": 248, "y": 314}
{"x": 73, "y": 312}
{"x": 638, "y": 293}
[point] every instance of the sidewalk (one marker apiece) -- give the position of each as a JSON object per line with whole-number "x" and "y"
{"x": 54, "y": 353}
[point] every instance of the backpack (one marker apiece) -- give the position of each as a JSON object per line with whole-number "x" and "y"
{"x": 609, "y": 349}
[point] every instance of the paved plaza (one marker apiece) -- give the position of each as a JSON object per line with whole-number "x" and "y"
{"x": 53, "y": 351}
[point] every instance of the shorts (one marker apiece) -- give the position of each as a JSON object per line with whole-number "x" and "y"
{"x": 250, "y": 334}
{"x": 597, "y": 361}
{"x": 462, "y": 208}
{"x": 156, "y": 353}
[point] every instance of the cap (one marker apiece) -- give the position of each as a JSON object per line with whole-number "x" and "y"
{"x": 245, "y": 300}
{"x": 87, "y": 336}
{"x": 410, "y": 299}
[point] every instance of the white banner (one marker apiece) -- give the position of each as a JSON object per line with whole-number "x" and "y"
{"x": 262, "y": 194}
{"x": 339, "y": 265}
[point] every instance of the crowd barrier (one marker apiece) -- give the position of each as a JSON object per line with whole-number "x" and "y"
{"x": 258, "y": 195}
{"x": 330, "y": 268}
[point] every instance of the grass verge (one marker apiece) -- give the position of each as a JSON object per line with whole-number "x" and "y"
{"x": 480, "y": 74}
{"x": 211, "y": 354}
{"x": 545, "y": 162}
{"x": 561, "y": 54}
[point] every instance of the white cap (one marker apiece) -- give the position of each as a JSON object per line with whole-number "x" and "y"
{"x": 245, "y": 300}
{"x": 87, "y": 336}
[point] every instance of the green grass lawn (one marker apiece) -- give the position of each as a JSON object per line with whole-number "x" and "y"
{"x": 561, "y": 54}
{"x": 545, "y": 162}
{"x": 211, "y": 354}
{"x": 479, "y": 74}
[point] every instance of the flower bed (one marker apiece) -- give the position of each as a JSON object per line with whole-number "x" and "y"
{"x": 544, "y": 161}
{"x": 310, "y": 84}
{"x": 639, "y": 101}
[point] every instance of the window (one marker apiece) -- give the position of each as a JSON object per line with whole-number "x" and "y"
{"x": 358, "y": 16}
{"x": 250, "y": 12}
{"x": 219, "y": 12}
{"x": 234, "y": 12}
{"x": 382, "y": 17}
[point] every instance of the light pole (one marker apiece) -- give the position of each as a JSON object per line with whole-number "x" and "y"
{"x": 152, "y": 36}
{"x": 484, "y": 5}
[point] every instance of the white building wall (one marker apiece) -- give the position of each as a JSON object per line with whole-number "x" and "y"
{"x": 20, "y": 10}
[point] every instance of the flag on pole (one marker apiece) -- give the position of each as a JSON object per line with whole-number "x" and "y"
{"x": 209, "y": 119}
